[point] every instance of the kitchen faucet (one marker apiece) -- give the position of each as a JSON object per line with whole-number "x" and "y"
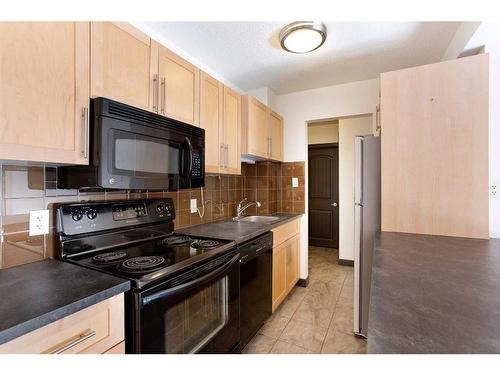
{"x": 241, "y": 207}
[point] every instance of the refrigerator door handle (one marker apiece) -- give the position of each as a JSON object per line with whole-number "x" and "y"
{"x": 358, "y": 185}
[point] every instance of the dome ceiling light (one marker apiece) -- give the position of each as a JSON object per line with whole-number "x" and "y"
{"x": 302, "y": 36}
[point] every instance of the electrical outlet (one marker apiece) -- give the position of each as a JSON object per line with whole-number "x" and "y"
{"x": 194, "y": 205}
{"x": 39, "y": 222}
{"x": 494, "y": 189}
{"x": 295, "y": 182}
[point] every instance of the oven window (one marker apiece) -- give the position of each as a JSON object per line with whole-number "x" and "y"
{"x": 145, "y": 155}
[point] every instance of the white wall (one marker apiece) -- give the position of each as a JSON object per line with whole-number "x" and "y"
{"x": 349, "y": 128}
{"x": 323, "y": 132}
{"x": 488, "y": 34}
{"x": 330, "y": 102}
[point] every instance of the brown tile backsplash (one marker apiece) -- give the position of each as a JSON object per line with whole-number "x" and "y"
{"x": 26, "y": 188}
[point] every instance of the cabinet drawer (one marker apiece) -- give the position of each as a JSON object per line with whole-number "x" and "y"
{"x": 92, "y": 330}
{"x": 285, "y": 231}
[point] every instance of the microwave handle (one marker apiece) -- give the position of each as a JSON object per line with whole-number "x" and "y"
{"x": 191, "y": 284}
{"x": 186, "y": 163}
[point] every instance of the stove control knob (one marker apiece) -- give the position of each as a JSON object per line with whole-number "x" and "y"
{"x": 77, "y": 215}
{"x": 91, "y": 214}
{"x": 160, "y": 207}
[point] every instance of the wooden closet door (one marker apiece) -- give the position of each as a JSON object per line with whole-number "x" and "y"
{"x": 434, "y": 124}
{"x": 232, "y": 131}
{"x": 121, "y": 63}
{"x": 179, "y": 87}
{"x": 44, "y": 90}
{"x": 211, "y": 99}
{"x": 276, "y": 134}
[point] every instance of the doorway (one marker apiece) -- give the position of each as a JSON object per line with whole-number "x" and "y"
{"x": 323, "y": 163}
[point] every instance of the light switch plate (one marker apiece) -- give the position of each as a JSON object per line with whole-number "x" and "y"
{"x": 39, "y": 222}
{"x": 194, "y": 205}
{"x": 295, "y": 182}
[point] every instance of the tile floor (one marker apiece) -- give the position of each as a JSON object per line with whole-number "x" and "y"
{"x": 316, "y": 319}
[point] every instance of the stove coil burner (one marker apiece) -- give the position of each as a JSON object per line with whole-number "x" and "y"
{"x": 205, "y": 244}
{"x": 177, "y": 240}
{"x": 141, "y": 264}
{"x": 109, "y": 257}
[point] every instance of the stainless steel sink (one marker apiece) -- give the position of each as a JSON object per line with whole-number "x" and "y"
{"x": 259, "y": 219}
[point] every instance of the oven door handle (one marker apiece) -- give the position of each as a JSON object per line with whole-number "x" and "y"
{"x": 191, "y": 284}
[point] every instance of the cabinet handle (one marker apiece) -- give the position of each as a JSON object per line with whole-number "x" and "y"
{"x": 227, "y": 154}
{"x": 270, "y": 146}
{"x": 155, "y": 92}
{"x": 163, "y": 95}
{"x": 73, "y": 343}
{"x": 86, "y": 130}
{"x": 221, "y": 162}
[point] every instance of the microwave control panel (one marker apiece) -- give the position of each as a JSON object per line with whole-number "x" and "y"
{"x": 196, "y": 171}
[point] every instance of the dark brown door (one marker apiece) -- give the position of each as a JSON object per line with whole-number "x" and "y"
{"x": 324, "y": 195}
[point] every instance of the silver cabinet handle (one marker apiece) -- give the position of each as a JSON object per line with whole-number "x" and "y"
{"x": 271, "y": 146}
{"x": 334, "y": 204}
{"x": 86, "y": 131}
{"x": 73, "y": 343}
{"x": 227, "y": 155}
{"x": 268, "y": 148}
{"x": 155, "y": 92}
{"x": 221, "y": 162}
{"x": 163, "y": 95}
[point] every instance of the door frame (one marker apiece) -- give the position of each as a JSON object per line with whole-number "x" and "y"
{"x": 317, "y": 146}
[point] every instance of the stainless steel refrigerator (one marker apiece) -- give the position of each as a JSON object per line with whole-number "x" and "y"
{"x": 366, "y": 223}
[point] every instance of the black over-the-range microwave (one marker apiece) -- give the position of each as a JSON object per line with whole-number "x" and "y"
{"x": 134, "y": 149}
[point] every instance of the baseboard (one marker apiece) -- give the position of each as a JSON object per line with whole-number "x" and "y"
{"x": 303, "y": 283}
{"x": 346, "y": 262}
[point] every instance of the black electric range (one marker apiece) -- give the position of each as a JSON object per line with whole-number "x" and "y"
{"x": 170, "y": 273}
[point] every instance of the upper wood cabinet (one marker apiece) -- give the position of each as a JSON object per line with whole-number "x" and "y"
{"x": 220, "y": 109}
{"x": 122, "y": 64}
{"x": 231, "y": 121}
{"x": 179, "y": 85}
{"x": 262, "y": 130}
{"x": 44, "y": 91}
{"x": 434, "y": 134}
{"x": 211, "y": 107}
{"x": 275, "y": 136}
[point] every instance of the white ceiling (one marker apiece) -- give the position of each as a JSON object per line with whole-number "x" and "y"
{"x": 248, "y": 53}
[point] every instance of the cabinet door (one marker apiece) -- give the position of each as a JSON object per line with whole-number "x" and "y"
{"x": 232, "y": 131}
{"x": 179, "y": 87}
{"x": 211, "y": 98}
{"x": 121, "y": 64}
{"x": 279, "y": 275}
{"x": 276, "y": 136}
{"x": 292, "y": 262}
{"x": 256, "y": 131}
{"x": 44, "y": 91}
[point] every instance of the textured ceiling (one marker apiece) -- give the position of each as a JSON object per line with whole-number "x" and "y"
{"x": 248, "y": 53}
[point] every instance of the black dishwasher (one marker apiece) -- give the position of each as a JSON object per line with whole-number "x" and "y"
{"x": 256, "y": 268}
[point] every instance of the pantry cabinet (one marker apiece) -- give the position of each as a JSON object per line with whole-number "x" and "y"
{"x": 262, "y": 130}
{"x": 123, "y": 64}
{"x": 220, "y": 117}
{"x": 434, "y": 146}
{"x": 44, "y": 91}
{"x": 286, "y": 255}
{"x": 179, "y": 87}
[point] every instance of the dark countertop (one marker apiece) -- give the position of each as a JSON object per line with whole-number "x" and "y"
{"x": 39, "y": 293}
{"x": 238, "y": 231}
{"x": 434, "y": 294}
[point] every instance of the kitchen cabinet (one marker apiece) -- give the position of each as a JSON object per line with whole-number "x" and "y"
{"x": 44, "y": 91}
{"x": 275, "y": 136}
{"x": 286, "y": 255}
{"x": 231, "y": 121}
{"x": 220, "y": 117}
{"x": 123, "y": 64}
{"x": 262, "y": 130}
{"x": 434, "y": 148}
{"x": 179, "y": 87}
{"x": 96, "y": 329}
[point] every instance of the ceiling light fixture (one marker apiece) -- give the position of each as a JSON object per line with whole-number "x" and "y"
{"x": 302, "y": 36}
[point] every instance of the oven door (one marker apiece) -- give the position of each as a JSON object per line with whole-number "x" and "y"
{"x": 197, "y": 312}
{"x": 138, "y": 157}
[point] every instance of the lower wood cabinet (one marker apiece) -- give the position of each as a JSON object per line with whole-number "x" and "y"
{"x": 286, "y": 253}
{"x": 94, "y": 330}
